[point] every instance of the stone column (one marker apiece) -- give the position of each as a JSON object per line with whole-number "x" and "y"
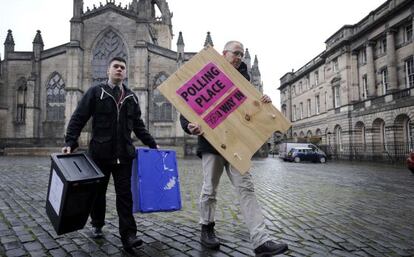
{"x": 354, "y": 94}
{"x": 370, "y": 69}
{"x": 391, "y": 61}
{"x": 73, "y": 85}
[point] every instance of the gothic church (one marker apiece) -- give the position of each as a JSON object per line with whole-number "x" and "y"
{"x": 40, "y": 89}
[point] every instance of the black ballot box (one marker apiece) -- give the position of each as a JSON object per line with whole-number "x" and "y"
{"x": 73, "y": 184}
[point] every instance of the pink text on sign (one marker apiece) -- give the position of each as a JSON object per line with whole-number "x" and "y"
{"x": 205, "y": 88}
{"x": 222, "y": 110}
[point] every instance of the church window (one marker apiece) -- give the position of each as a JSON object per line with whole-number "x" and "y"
{"x": 163, "y": 110}
{"x": 108, "y": 47}
{"x": 55, "y": 98}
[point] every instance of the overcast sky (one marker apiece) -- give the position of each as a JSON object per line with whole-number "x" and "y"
{"x": 285, "y": 35}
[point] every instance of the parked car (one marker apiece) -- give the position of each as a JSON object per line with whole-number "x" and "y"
{"x": 284, "y": 149}
{"x": 410, "y": 161}
{"x": 298, "y": 154}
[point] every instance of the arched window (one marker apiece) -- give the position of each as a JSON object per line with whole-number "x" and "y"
{"x": 379, "y": 136}
{"x": 55, "y": 98}
{"x": 163, "y": 110}
{"x": 109, "y": 45}
{"x": 360, "y": 140}
{"x": 338, "y": 138}
{"x": 21, "y": 100}
{"x": 409, "y": 134}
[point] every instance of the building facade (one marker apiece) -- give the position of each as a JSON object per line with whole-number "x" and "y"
{"x": 40, "y": 89}
{"x": 356, "y": 98}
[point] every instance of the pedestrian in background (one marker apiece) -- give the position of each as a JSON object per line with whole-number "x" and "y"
{"x": 213, "y": 165}
{"x": 115, "y": 113}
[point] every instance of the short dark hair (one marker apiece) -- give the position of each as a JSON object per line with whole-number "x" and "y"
{"x": 117, "y": 58}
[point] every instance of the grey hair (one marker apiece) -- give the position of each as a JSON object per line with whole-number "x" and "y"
{"x": 231, "y": 43}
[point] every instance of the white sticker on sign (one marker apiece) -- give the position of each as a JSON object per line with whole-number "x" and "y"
{"x": 55, "y": 192}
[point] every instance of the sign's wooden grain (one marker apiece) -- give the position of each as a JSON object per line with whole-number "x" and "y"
{"x": 209, "y": 91}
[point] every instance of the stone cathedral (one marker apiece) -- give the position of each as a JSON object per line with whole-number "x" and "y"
{"x": 40, "y": 89}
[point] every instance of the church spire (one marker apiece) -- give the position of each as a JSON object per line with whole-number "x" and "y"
{"x": 208, "y": 40}
{"x": 8, "y": 44}
{"x": 38, "y": 39}
{"x": 180, "y": 49}
{"x": 247, "y": 59}
{"x": 180, "y": 40}
{"x": 9, "y": 39}
{"x": 37, "y": 45}
{"x": 255, "y": 67}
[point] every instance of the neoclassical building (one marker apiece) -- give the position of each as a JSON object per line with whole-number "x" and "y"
{"x": 356, "y": 98}
{"x": 40, "y": 89}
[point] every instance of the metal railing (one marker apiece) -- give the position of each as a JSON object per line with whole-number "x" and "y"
{"x": 395, "y": 152}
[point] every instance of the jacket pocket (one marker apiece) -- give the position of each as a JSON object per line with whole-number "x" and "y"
{"x": 101, "y": 147}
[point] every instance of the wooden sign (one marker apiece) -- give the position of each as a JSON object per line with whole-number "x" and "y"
{"x": 209, "y": 91}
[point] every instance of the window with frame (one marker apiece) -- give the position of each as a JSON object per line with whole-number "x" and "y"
{"x": 335, "y": 65}
{"x": 316, "y": 74}
{"x": 317, "y": 104}
{"x": 21, "y": 101}
{"x": 300, "y": 87}
{"x": 163, "y": 110}
{"x": 382, "y": 46}
{"x": 307, "y": 86}
{"x": 284, "y": 111}
{"x": 384, "y": 80}
{"x": 363, "y": 56}
{"x": 326, "y": 100}
{"x": 309, "y": 107}
{"x": 408, "y": 33}
{"x": 337, "y": 97}
{"x": 409, "y": 72}
{"x": 294, "y": 113}
{"x": 293, "y": 90}
{"x": 301, "y": 111}
{"x": 55, "y": 98}
{"x": 364, "y": 87}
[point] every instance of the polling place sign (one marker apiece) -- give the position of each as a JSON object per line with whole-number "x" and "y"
{"x": 209, "y": 91}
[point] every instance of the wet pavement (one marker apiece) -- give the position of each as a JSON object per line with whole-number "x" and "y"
{"x": 332, "y": 209}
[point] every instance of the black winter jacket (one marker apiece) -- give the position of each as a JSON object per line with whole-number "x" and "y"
{"x": 111, "y": 124}
{"x": 203, "y": 146}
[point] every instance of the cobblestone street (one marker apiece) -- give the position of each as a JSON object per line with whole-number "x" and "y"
{"x": 332, "y": 209}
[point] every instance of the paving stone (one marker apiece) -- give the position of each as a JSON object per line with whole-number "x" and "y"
{"x": 337, "y": 209}
{"x": 58, "y": 252}
{"x": 16, "y": 252}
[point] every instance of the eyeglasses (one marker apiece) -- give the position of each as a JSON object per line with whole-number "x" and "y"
{"x": 237, "y": 53}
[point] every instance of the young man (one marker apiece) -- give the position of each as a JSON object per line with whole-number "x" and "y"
{"x": 115, "y": 113}
{"x": 214, "y": 164}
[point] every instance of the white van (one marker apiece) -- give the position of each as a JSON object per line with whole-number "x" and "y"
{"x": 284, "y": 148}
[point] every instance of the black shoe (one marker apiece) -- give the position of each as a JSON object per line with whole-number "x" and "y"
{"x": 97, "y": 232}
{"x": 270, "y": 248}
{"x": 208, "y": 237}
{"x": 131, "y": 242}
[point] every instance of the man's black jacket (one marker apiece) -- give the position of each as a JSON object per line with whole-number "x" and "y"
{"x": 203, "y": 146}
{"x": 112, "y": 124}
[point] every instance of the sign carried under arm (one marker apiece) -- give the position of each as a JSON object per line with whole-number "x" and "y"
{"x": 209, "y": 91}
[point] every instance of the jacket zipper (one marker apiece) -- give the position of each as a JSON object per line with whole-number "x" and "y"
{"x": 118, "y": 110}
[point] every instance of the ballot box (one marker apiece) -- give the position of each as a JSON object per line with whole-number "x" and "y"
{"x": 73, "y": 184}
{"x": 154, "y": 181}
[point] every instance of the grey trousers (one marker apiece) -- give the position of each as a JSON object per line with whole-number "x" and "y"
{"x": 213, "y": 166}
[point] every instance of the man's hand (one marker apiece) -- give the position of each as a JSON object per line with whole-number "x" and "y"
{"x": 265, "y": 99}
{"x": 195, "y": 129}
{"x": 66, "y": 150}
